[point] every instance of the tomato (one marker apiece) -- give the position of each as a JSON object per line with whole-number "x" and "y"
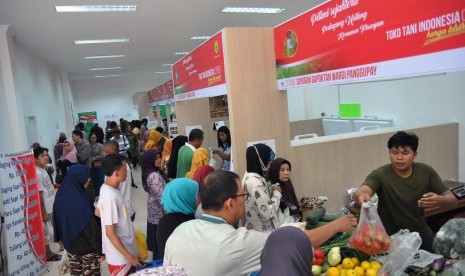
{"x": 376, "y": 247}
{"x": 318, "y": 253}
{"x": 317, "y": 261}
{"x": 387, "y": 244}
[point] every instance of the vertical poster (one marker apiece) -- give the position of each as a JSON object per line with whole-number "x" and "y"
{"x": 163, "y": 110}
{"x": 25, "y": 249}
{"x": 88, "y": 118}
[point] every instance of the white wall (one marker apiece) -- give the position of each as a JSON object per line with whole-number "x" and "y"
{"x": 109, "y": 96}
{"x": 410, "y": 103}
{"x": 6, "y": 139}
{"x": 39, "y": 87}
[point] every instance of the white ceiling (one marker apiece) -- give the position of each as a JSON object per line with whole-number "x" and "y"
{"x": 156, "y": 31}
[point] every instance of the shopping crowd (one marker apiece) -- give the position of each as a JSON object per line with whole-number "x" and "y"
{"x": 203, "y": 220}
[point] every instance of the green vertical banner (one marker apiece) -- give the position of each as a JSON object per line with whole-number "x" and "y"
{"x": 88, "y": 118}
{"x": 163, "y": 110}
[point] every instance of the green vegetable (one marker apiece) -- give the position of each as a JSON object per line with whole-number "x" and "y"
{"x": 451, "y": 238}
{"x": 334, "y": 256}
{"x": 315, "y": 215}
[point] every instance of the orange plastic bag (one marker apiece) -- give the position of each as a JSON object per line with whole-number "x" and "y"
{"x": 370, "y": 236}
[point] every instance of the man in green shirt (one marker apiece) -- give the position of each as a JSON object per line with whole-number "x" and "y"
{"x": 186, "y": 152}
{"x": 405, "y": 189}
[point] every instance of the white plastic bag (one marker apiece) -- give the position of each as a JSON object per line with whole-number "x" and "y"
{"x": 404, "y": 245}
{"x": 63, "y": 266}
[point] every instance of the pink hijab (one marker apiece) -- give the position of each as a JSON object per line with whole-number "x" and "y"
{"x": 71, "y": 155}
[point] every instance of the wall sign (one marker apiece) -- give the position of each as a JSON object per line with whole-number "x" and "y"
{"x": 359, "y": 40}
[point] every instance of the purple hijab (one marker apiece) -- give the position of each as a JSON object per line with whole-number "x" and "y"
{"x": 297, "y": 259}
{"x": 147, "y": 164}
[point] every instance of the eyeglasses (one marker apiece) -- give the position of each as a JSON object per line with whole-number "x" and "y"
{"x": 245, "y": 195}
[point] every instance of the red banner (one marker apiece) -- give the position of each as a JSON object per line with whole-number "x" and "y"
{"x": 201, "y": 73}
{"x": 23, "y": 218}
{"x": 356, "y": 40}
{"x": 169, "y": 90}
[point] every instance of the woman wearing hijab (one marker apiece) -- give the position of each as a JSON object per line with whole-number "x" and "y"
{"x": 179, "y": 201}
{"x": 58, "y": 148}
{"x": 280, "y": 173}
{"x": 200, "y": 158}
{"x": 153, "y": 141}
{"x": 154, "y": 181}
{"x": 178, "y": 142}
{"x": 96, "y": 173}
{"x": 262, "y": 204}
{"x": 298, "y": 257}
{"x": 68, "y": 158}
{"x": 199, "y": 177}
{"x": 165, "y": 156}
{"x": 75, "y": 224}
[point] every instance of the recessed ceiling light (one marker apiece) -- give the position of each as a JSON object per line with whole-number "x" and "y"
{"x": 105, "y": 68}
{"x": 102, "y": 41}
{"x": 162, "y": 72}
{"x": 252, "y": 10}
{"x": 200, "y": 37}
{"x": 167, "y": 64}
{"x": 181, "y": 53}
{"x": 97, "y": 8}
{"x": 107, "y": 76}
{"x": 109, "y": 56}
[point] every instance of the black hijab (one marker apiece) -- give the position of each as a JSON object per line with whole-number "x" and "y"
{"x": 72, "y": 208}
{"x": 177, "y": 143}
{"x": 257, "y": 157}
{"x": 289, "y": 197}
{"x": 147, "y": 164}
{"x": 298, "y": 256}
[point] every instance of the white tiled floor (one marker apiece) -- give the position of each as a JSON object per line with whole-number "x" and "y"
{"x": 139, "y": 197}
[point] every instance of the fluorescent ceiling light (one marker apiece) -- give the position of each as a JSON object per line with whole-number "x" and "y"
{"x": 105, "y": 68}
{"x": 109, "y": 56}
{"x": 181, "y": 53}
{"x": 102, "y": 41}
{"x": 167, "y": 64}
{"x": 162, "y": 72}
{"x": 97, "y": 8}
{"x": 252, "y": 10}
{"x": 107, "y": 76}
{"x": 200, "y": 37}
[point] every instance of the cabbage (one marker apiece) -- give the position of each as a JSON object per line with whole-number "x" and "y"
{"x": 451, "y": 238}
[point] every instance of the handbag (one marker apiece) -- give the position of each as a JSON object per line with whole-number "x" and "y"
{"x": 97, "y": 164}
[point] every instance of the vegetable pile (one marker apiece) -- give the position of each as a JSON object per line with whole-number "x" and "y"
{"x": 451, "y": 238}
{"x": 370, "y": 239}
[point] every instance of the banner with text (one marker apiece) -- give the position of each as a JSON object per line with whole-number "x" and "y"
{"x": 201, "y": 73}
{"x": 89, "y": 119}
{"x": 21, "y": 210}
{"x": 162, "y": 93}
{"x": 357, "y": 40}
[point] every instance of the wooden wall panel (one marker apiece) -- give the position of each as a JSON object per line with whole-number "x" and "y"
{"x": 257, "y": 110}
{"x": 196, "y": 112}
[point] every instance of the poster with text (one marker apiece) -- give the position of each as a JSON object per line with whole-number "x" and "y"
{"x": 358, "y": 40}
{"x": 201, "y": 73}
{"x": 25, "y": 249}
{"x": 88, "y": 118}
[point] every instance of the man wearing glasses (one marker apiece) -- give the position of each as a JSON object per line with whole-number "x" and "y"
{"x": 212, "y": 246}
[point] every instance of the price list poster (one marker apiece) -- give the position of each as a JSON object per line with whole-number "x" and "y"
{"x": 24, "y": 243}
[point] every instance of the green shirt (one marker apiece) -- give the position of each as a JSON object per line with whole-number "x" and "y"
{"x": 185, "y": 155}
{"x": 398, "y": 197}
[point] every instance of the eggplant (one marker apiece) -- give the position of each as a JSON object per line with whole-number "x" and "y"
{"x": 438, "y": 264}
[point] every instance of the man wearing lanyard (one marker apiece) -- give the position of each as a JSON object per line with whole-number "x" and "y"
{"x": 212, "y": 246}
